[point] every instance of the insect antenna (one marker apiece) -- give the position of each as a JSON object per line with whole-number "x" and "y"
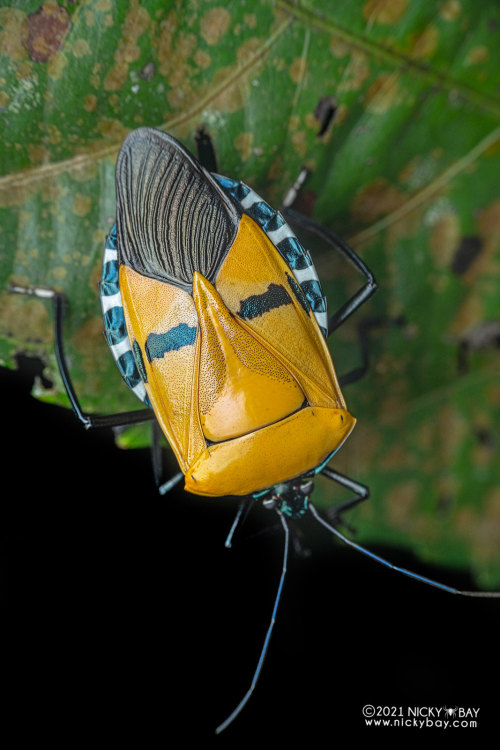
{"x": 267, "y": 639}
{"x": 409, "y": 573}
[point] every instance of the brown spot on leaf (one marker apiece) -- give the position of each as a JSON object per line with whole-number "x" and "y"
{"x": 489, "y": 221}
{"x": 112, "y": 130}
{"x": 248, "y": 50}
{"x": 47, "y": 28}
{"x": 477, "y": 55}
{"x": 214, "y": 25}
{"x": 13, "y": 29}
{"x": 468, "y": 315}
{"x": 243, "y": 144}
{"x": 88, "y": 335}
{"x": 81, "y": 48}
{"x": 136, "y": 23}
{"x": 451, "y": 430}
{"x": 450, "y": 10}
{"x": 375, "y": 200}
{"x": 299, "y": 141}
{"x": 356, "y": 72}
{"x": 423, "y": 44}
{"x": 397, "y": 457}
{"x": 90, "y": 102}
{"x": 382, "y": 94}
{"x": 298, "y": 69}
{"x": 384, "y": 11}
{"x": 38, "y": 153}
{"x": 82, "y": 204}
{"x": 444, "y": 239}
{"x": 202, "y": 59}
{"x": 56, "y": 65}
{"x": 26, "y": 319}
{"x": 116, "y": 77}
{"x": 232, "y": 97}
{"x": 339, "y": 47}
{"x": 482, "y": 529}
{"x": 401, "y": 503}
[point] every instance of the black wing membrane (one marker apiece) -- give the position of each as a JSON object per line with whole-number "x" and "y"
{"x": 172, "y": 217}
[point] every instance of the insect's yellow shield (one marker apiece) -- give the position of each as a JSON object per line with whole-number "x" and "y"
{"x": 241, "y": 386}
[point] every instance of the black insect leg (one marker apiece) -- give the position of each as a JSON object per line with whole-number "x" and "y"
{"x": 363, "y": 294}
{"x": 361, "y": 493}
{"x": 158, "y": 462}
{"x": 205, "y": 149}
{"x": 364, "y": 330}
{"x": 88, "y": 420}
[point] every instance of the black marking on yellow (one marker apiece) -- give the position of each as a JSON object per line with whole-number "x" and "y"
{"x": 299, "y": 294}
{"x": 258, "y": 304}
{"x": 159, "y": 344}
{"x": 136, "y": 349}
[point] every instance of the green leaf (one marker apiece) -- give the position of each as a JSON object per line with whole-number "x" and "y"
{"x": 407, "y": 171}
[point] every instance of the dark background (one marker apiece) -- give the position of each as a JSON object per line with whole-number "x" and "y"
{"x": 125, "y": 618}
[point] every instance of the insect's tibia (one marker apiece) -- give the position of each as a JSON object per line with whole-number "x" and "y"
{"x": 170, "y": 483}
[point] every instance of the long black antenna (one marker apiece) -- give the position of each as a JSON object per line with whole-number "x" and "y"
{"x": 249, "y": 692}
{"x": 409, "y": 573}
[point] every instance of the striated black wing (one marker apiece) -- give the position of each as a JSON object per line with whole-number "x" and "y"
{"x": 172, "y": 216}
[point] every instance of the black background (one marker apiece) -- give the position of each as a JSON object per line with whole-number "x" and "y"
{"x": 126, "y": 619}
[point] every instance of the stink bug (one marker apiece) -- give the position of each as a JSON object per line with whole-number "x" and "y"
{"x": 215, "y": 316}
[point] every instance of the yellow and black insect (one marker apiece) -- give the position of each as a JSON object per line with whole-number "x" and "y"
{"x": 215, "y": 316}
{"x": 226, "y": 344}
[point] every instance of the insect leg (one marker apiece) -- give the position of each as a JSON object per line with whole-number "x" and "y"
{"x": 243, "y": 511}
{"x": 158, "y": 464}
{"x": 364, "y": 330}
{"x": 249, "y": 692}
{"x": 170, "y": 483}
{"x": 205, "y": 149}
{"x": 88, "y": 420}
{"x": 366, "y": 291}
{"x": 362, "y": 492}
{"x": 404, "y": 571}
{"x": 156, "y": 454}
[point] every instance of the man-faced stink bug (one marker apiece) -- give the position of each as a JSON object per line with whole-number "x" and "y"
{"x": 227, "y": 348}
{"x": 216, "y": 319}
